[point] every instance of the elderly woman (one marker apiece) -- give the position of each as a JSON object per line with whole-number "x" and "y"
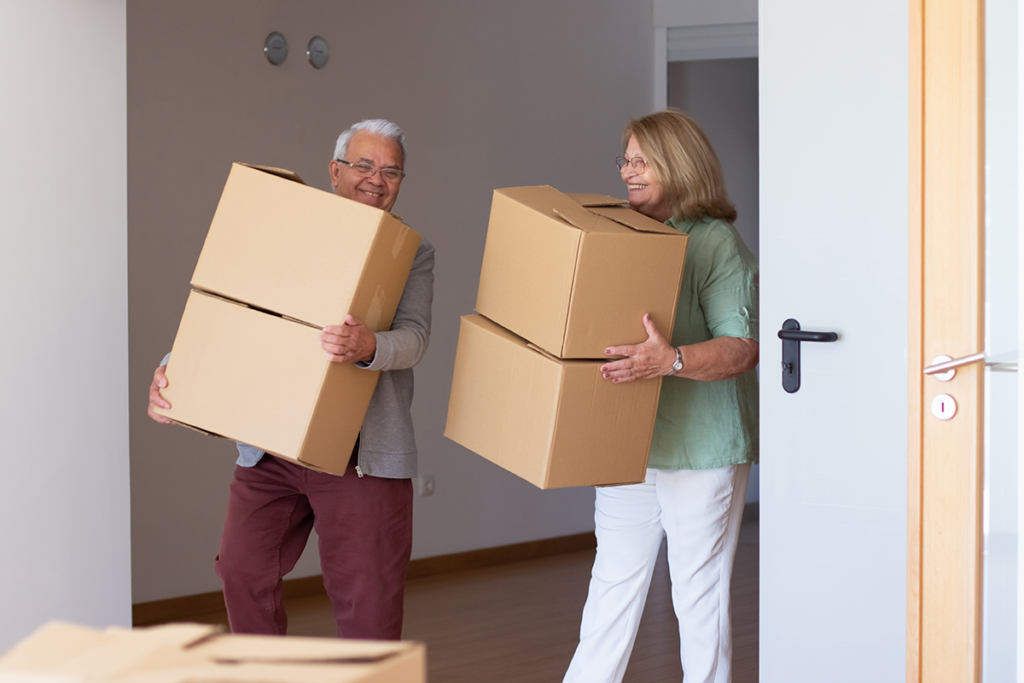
{"x": 705, "y": 435}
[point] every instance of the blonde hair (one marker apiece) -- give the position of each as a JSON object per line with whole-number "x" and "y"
{"x": 684, "y": 163}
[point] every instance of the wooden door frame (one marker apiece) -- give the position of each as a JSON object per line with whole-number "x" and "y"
{"x": 946, "y": 299}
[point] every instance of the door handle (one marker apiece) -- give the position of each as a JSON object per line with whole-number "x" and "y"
{"x": 799, "y": 335}
{"x": 943, "y": 368}
{"x": 791, "y": 336}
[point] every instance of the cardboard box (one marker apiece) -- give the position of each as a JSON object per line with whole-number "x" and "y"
{"x": 263, "y": 380}
{"x": 574, "y": 274}
{"x": 303, "y": 253}
{"x": 552, "y": 422}
{"x": 298, "y": 259}
{"x": 188, "y": 653}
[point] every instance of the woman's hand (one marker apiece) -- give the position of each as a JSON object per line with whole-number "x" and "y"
{"x": 652, "y": 358}
{"x": 709, "y": 361}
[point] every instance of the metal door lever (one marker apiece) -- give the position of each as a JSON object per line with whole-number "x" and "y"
{"x": 806, "y": 335}
{"x": 946, "y": 363}
{"x": 943, "y": 368}
{"x": 791, "y": 336}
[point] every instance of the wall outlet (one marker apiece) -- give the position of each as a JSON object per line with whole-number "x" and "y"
{"x": 425, "y": 485}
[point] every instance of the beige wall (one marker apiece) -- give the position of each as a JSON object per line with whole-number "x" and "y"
{"x": 491, "y": 94}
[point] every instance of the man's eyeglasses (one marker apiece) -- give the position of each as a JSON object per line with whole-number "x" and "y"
{"x": 363, "y": 168}
{"x": 638, "y": 164}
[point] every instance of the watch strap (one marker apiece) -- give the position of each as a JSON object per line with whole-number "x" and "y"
{"x": 678, "y": 365}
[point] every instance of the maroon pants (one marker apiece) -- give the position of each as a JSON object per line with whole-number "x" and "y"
{"x": 365, "y": 530}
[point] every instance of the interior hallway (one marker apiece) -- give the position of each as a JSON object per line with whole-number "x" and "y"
{"x": 518, "y": 622}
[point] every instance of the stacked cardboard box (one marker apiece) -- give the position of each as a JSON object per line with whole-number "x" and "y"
{"x": 184, "y": 653}
{"x": 563, "y": 278}
{"x": 281, "y": 261}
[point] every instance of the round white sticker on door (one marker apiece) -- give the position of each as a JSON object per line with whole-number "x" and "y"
{"x": 943, "y": 406}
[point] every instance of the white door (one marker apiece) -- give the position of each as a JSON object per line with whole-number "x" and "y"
{"x": 834, "y": 255}
{"x": 1001, "y": 615}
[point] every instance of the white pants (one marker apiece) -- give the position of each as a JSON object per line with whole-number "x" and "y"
{"x": 700, "y": 512}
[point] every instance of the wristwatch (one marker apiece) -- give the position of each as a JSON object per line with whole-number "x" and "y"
{"x": 678, "y": 365}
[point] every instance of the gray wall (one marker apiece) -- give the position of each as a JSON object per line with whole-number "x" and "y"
{"x": 64, "y": 505}
{"x": 491, "y": 94}
{"x": 721, "y": 95}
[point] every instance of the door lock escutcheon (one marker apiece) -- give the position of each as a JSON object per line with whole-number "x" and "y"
{"x": 791, "y": 336}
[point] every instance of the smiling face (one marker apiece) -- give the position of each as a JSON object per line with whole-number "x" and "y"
{"x": 646, "y": 194}
{"x": 378, "y": 151}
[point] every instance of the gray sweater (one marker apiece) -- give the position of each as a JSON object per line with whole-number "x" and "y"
{"x": 387, "y": 447}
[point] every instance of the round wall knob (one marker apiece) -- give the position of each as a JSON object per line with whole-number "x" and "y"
{"x": 318, "y": 52}
{"x": 275, "y": 47}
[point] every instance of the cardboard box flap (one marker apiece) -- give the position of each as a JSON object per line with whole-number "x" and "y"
{"x": 633, "y": 219}
{"x": 40, "y": 677}
{"x": 53, "y": 643}
{"x": 241, "y": 649}
{"x": 122, "y": 649}
{"x": 190, "y": 653}
{"x": 273, "y": 170}
{"x": 253, "y": 307}
{"x": 290, "y": 175}
{"x": 577, "y": 220}
{"x": 590, "y": 200}
{"x": 548, "y": 201}
{"x": 542, "y": 352}
{"x": 98, "y": 655}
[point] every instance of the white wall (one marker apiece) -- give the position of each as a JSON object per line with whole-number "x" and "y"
{"x": 64, "y": 502}
{"x": 491, "y": 94}
{"x": 675, "y": 13}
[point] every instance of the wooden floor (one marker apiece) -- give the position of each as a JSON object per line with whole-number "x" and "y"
{"x": 519, "y": 622}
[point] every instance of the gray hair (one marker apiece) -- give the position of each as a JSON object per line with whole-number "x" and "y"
{"x": 381, "y": 127}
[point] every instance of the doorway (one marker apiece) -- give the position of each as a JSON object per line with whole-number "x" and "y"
{"x": 721, "y": 95}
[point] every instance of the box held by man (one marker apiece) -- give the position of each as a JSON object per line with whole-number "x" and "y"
{"x": 303, "y": 253}
{"x": 261, "y": 379}
{"x": 282, "y": 260}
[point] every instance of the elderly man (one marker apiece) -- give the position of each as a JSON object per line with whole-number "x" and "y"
{"x": 364, "y": 519}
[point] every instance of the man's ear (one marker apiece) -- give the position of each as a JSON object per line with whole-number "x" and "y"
{"x": 334, "y": 168}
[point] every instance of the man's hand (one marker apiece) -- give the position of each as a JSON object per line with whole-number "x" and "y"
{"x": 349, "y": 342}
{"x": 156, "y": 400}
{"x": 652, "y": 358}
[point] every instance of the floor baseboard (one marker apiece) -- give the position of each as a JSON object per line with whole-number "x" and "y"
{"x": 186, "y": 606}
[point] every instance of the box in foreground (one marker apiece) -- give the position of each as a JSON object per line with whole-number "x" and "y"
{"x": 574, "y": 274}
{"x": 263, "y": 380}
{"x": 187, "y": 653}
{"x": 553, "y": 422}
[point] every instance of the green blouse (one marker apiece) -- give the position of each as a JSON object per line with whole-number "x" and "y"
{"x": 701, "y": 425}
